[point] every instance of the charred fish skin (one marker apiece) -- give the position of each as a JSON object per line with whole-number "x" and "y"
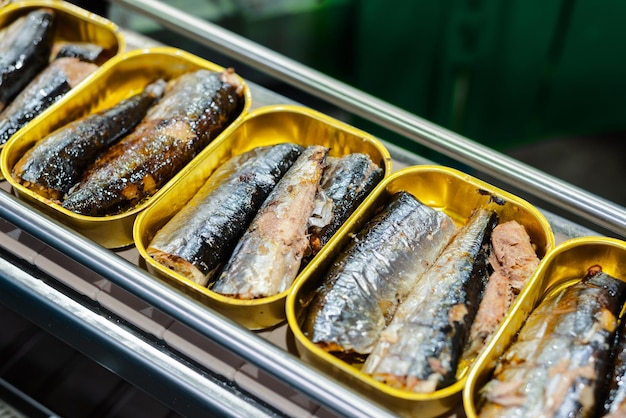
{"x": 194, "y": 110}
{"x": 615, "y": 404}
{"x": 54, "y": 164}
{"x": 420, "y": 348}
{"x": 44, "y": 90}
{"x": 346, "y": 181}
{"x": 200, "y": 237}
{"x": 27, "y": 55}
{"x": 561, "y": 354}
{"x": 268, "y": 257}
{"x": 84, "y": 51}
{"x": 376, "y": 269}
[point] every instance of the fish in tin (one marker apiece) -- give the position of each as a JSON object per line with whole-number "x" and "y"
{"x": 49, "y": 86}
{"x": 561, "y": 356}
{"x": 345, "y": 183}
{"x": 378, "y": 267}
{"x": 514, "y": 260}
{"x": 420, "y": 349}
{"x": 84, "y": 51}
{"x": 25, "y": 50}
{"x": 54, "y": 164}
{"x": 195, "y": 108}
{"x": 615, "y": 402}
{"x": 268, "y": 257}
{"x": 199, "y": 238}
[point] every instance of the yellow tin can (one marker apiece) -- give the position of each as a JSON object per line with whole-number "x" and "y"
{"x": 566, "y": 264}
{"x": 118, "y": 79}
{"x": 455, "y": 193}
{"x": 73, "y": 24}
{"x": 265, "y": 126}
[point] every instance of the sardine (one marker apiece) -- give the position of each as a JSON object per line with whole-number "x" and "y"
{"x": 267, "y": 258}
{"x": 615, "y": 403}
{"x": 194, "y": 110}
{"x": 54, "y": 164}
{"x": 346, "y": 181}
{"x": 375, "y": 271}
{"x": 44, "y": 90}
{"x": 513, "y": 260}
{"x": 84, "y": 51}
{"x": 561, "y": 354}
{"x": 420, "y": 349}
{"x": 25, "y": 52}
{"x": 201, "y": 236}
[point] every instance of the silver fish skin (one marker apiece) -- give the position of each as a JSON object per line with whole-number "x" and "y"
{"x": 346, "y": 182}
{"x": 377, "y": 268}
{"x": 54, "y": 164}
{"x": 201, "y": 236}
{"x": 84, "y": 51}
{"x": 420, "y": 348}
{"x": 561, "y": 355}
{"x": 268, "y": 257}
{"x": 615, "y": 403}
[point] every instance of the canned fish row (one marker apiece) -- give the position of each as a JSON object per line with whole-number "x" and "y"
{"x": 45, "y": 52}
{"x": 401, "y": 284}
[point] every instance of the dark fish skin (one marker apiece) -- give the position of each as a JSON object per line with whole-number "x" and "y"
{"x": 194, "y": 110}
{"x": 616, "y": 398}
{"x": 376, "y": 269}
{"x": 420, "y": 349}
{"x": 44, "y": 90}
{"x": 346, "y": 181}
{"x": 198, "y": 240}
{"x": 55, "y": 163}
{"x": 84, "y": 51}
{"x": 27, "y": 55}
{"x": 561, "y": 355}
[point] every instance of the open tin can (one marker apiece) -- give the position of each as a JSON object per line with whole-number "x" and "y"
{"x": 265, "y": 126}
{"x": 456, "y": 194}
{"x": 121, "y": 77}
{"x": 72, "y": 24}
{"x": 564, "y": 266}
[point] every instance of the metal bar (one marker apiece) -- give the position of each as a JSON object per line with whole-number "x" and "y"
{"x": 180, "y": 388}
{"x": 564, "y": 195}
{"x": 230, "y": 335}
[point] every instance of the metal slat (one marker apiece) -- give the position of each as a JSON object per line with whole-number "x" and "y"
{"x": 129, "y": 356}
{"x": 579, "y": 202}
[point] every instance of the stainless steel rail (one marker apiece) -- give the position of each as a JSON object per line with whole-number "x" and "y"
{"x": 223, "y": 331}
{"x": 139, "y": 362}
{"x": 579, "y": 202}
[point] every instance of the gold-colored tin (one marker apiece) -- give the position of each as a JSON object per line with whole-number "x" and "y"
{"x": 121, "y": 77}
{"x": 446, "y": 189}
{"x": 266, "y": 126}
{"x": 73, "y": 24}
{"x": 565, "y": 265}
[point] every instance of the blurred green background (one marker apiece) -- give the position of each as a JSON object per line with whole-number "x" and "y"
{"x": 500, "y": 72}
{"x": 539, "y": 80}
